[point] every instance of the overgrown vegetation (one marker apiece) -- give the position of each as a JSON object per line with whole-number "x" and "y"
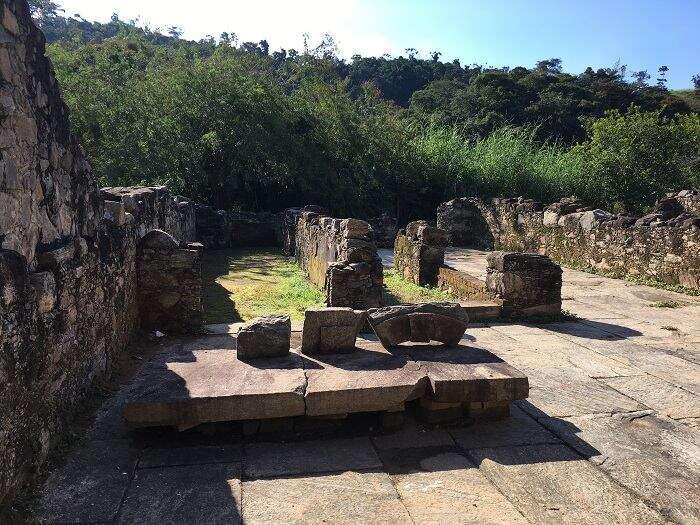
{"x": 238, "y": 126}
{"x": 400, "y": 291}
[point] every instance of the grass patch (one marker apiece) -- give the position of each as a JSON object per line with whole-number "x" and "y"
{"x": 400, "y": 291}
{"x": 240, "y": 284}
{"x": 667, "y": 304}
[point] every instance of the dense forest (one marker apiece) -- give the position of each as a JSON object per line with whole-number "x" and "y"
{"x": 238, "y": 125}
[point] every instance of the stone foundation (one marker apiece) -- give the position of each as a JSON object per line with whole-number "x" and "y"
{"x": 419, "y": 253}
{"x": 340, "y": 257}
{"x": 663, "y": 245}
{"x": 526, "y": 284}
{"x": 462, "y": 285}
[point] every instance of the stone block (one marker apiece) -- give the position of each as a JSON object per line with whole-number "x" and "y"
{"x": 115, "y": 213}
{"x": 527, "y": 284}
{"x": 331, "y": 330}
{"x": 594, "y": 218}
{"x": 443, "y": 322}
{"x": 44, "y": 286}
{"x": 419, "y": 253}
{"x": 267, "y": 336}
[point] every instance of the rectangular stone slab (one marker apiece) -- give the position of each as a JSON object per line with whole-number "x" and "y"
{"x": 368, "y": 380}
{"x": 186, "y": 388}
{"x": 468, "y": 374}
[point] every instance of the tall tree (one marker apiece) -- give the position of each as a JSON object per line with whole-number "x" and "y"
{"x": 662, "y": 80}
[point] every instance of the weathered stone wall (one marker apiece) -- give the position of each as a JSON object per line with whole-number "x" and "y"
{"x": 153, "y": 208}
{"x": 219, "y": 229}
{"x": 419, "y": 253}
{"x": 340, "y": 257}
{"x": 289, "y": 226}
{"x": 664, "y": 245}
{"x": 68, "y": 273}
{"x": 464, "y": 223}
{"x": 169, "y": 283}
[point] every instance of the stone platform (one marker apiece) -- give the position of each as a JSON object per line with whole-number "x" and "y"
{"x": 187, "y": 385}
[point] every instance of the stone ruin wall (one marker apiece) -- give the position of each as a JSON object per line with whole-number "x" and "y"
{"x": 68, "y": 257}
{"x": 340, "y": 256}
{"x": 663, "y": 245}
{"x": 220, "y": 229}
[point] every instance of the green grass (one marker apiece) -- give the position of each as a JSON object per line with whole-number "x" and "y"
{"x": 240, "y": 284}
{"x": 667, "y": 304}
{"x": 400, "y": 291}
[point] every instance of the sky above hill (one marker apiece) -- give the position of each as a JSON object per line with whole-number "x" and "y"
{"x": 643, "y": 34}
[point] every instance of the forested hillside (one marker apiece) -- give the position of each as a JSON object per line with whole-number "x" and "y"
{"x": 241, "y": 126}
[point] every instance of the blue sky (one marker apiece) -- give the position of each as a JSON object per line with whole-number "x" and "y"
{"x": 642, "y": 34}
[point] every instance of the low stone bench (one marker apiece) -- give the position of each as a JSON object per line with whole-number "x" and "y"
{"x": 421, "y": 323}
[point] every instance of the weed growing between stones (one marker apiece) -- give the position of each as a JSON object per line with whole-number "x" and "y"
{"x": 667, "y": 304}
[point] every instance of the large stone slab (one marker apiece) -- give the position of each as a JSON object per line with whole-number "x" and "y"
{"x": 368, "y": 380}
{"x": 658, "y": 394}
{"x": 193, "y": 455}
{"x": 344, "y": 498}
{"x": 518, "y": 429}
{"x": 187, "y": 387}
{"x": 204, "y": 382}
{"x": 264, "y": 460}
{"x": 468, "y": 374}
{"x": 650, "y": 455}
{"x": 440, "y": 485}
{"x": 553, "y": 484}
{"x": 90, "y": 487}
{"x": 190, "y": 494}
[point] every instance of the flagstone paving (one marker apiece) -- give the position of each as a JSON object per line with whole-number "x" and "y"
{"x": 609, "y": 434}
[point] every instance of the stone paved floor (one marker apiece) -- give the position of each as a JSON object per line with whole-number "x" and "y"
{"x": 608, "y": 435}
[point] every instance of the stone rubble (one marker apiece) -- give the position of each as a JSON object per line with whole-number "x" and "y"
{"x": 267, "y": 336}
{"x": 331, "y": 330}
{"x": 420, "y": 323}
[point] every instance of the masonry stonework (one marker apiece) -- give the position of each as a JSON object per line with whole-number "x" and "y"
{"x": 663, "y": 245}
{"x": 169, "y": 283}
{"x": 68, "y": 257}
{"x": 526, "y": 284}
{"x": 419, "y": 253}
{"x": 340, "y": 256}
